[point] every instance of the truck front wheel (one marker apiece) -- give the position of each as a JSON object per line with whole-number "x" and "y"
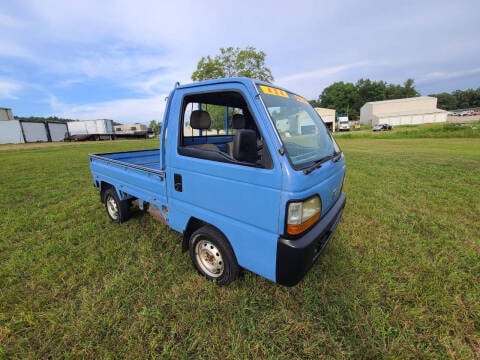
{"x": 213, "y": 256}
{"x": 118, "y": 211}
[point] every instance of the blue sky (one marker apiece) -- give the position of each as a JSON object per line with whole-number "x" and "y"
{"x": 118, "y": 59}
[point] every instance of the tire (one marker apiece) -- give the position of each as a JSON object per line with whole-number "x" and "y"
{"x": 213, "y": 256}
{"x": 118, "y": 211}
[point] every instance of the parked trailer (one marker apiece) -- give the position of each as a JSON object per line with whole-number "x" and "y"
{"x": 100, "y": 129}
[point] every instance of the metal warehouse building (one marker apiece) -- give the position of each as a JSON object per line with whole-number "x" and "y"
{"x": 410, "y": 111}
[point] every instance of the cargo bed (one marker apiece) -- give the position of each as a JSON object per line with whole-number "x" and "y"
{"x": 143, "y": 159}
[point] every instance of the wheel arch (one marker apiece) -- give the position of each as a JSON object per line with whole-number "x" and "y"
{"x": 104, "y": 186}
{"x": 193, "y": 225}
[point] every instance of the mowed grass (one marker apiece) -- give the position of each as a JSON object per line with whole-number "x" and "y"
{"x": 400, "y": 279}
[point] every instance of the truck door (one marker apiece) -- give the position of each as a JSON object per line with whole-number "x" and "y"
{"x": 216, "y": 181}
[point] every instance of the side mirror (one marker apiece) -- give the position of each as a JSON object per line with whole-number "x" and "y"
{"x": 245, "y": 145}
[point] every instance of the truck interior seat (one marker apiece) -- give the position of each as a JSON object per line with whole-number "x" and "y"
{"x": 201, "y": 120}
{"x": 238, "y": 122}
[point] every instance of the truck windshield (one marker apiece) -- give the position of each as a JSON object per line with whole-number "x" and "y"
{"x": 305, "y": 137}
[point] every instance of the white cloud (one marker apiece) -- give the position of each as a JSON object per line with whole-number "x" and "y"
{"x": 9, "y": 89}
{"x": 321, "y": 73}
{"x": 124, "y": 111}
{"x": 309, "y": 82}
{"x": 442, "y": 75}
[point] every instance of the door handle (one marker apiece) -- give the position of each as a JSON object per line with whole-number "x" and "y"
{"x": 177, "y": 180}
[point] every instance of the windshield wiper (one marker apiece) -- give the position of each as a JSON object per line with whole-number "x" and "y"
{"x": 337, "y": 156}
{"x": 316, "y": 164}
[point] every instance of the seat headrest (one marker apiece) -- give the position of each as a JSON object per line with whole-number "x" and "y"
{"x": 200, "y": 120}
{"x": 238, "y": 121}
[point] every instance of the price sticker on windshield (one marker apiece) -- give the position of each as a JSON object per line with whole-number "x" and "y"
{"x": 273, "y": 91}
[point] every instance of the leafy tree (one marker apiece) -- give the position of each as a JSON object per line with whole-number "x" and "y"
{"x": 233, "y": 61}
{"x": 342, "y": 97}
{"x": 371, "y": 90}
{"x": 459, "y": 99}
{"x": 155, "y": 126}
{"x": 402, "y": 92}
{"x": 409, "y": 89}
{"x": 446, "y": 101}
{"x": 217, "y": 114}
{"x": 315, "y": 103}
{"x": 467, "y": 98}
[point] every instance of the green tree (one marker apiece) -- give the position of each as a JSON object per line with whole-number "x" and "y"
{"x": 315, "y": 103}
{"x": 219, "y": 116}
{"x": 342, "y": 97}
{"x": 155, "y": 126}
{"x": 467, "y": 98}
{"x": 369, "y": 90}
{"x": 233, "y": 61}
{"x": 446, "y": 101}
{"x": 409, "y": 89}
{"x": 401, "y": 92}
{"x": 458, "y": 99}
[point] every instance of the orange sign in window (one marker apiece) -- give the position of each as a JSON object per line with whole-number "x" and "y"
{"x": 273, "y": 91}
{"x": 301, "y": 99}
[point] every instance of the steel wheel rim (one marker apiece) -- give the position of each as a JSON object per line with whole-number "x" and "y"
{"x": 209, "y": 258}
{"x": 112, "y": 207}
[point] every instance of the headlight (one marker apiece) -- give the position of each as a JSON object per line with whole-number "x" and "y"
{"x": 302, "y": 215}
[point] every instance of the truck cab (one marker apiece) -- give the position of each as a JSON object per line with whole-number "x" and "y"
{"x": 245, "y": 170}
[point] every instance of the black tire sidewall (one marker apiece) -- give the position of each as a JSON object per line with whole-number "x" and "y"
{"x": 122, "y": 206}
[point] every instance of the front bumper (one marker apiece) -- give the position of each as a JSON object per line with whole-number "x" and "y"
{"x": 295, "y": 257}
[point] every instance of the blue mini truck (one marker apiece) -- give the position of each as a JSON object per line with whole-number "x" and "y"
{"x": 262, "y": 191}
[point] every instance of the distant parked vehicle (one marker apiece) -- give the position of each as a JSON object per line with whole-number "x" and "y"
{"x": 83, "y": 130}
{"x": 343, "y": 123}
{"x": 382, "y": 127}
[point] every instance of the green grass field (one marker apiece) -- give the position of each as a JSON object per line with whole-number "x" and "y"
{"x": 400, "y": 279}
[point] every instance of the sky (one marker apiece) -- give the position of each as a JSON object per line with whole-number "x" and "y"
{"x": 117, "y": 59}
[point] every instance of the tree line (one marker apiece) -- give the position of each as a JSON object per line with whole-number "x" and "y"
{"x": 458, "y": 99}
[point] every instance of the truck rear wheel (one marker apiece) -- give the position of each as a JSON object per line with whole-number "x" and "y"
{"x": 213, "y": 256}
{"x": 118, "y": 211}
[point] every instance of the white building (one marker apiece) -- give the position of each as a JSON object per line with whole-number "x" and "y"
{"x": 6, "y": 114}
{"x": 328, "y": 117}
{"x": 410, "y": 111}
